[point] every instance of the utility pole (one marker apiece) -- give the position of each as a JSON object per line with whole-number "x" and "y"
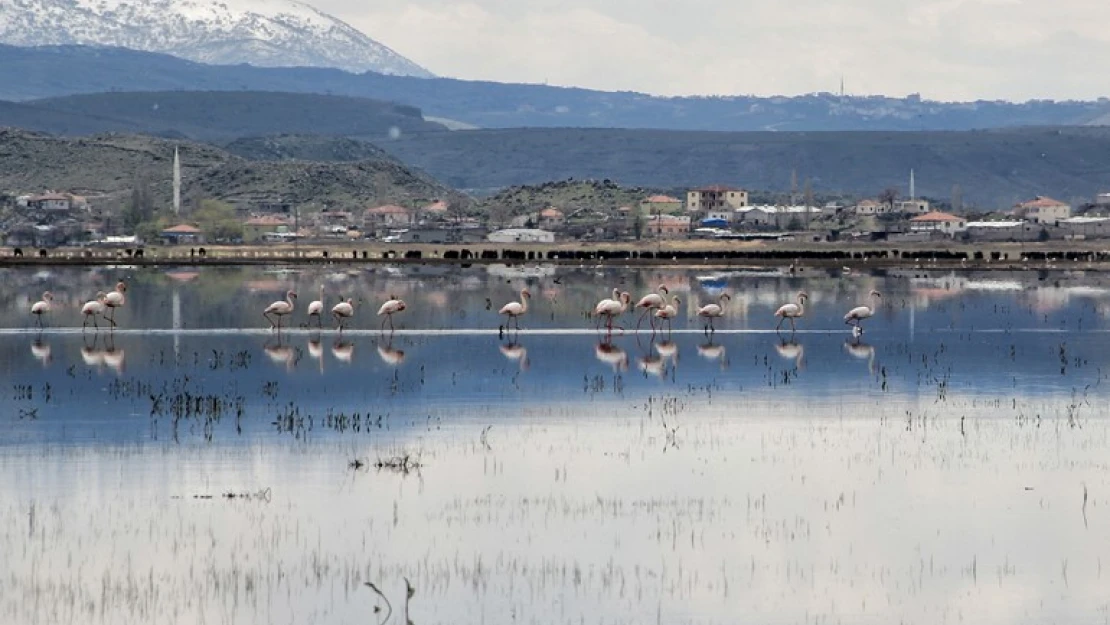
{"x": 808, "y": 200}
{"x": 793, "y": 187}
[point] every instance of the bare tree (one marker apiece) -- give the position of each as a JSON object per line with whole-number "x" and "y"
{"x": 888, "y": 196}
{"x": 957, "y": 198}
{"x": 498, "y": 215}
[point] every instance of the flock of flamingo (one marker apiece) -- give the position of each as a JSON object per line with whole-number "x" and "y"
{"x": 655, "y": 306}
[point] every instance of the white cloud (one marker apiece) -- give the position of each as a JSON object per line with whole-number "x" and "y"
{"x": 948, "y": 49}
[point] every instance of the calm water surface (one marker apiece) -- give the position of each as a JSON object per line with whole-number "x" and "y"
{"x": 948, "y": 466}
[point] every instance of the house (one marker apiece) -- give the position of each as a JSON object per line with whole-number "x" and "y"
{"x": 728, "y": 215}
{"x": 182, "y": 234}
{"x": 782, "y": 217}
{"x": 1084, "y": 227}
{"x": 1102, "y": 199}
{"x": 912, "y": 207}
{"x": 521, "y": 235}
{"x": 660, "y": 205}
{"x": 667, "y": 226}
{"x": 256, "y": 228}
{"x": 871, "y": 207}
{"x": 387, "y": 216}
{"x": 56, "y": 202}
{"x": 552, "y": 217}
{"x": 937, "y": 221}
{"x": 1043, "y": 210}
{"x": 708, "y": 198}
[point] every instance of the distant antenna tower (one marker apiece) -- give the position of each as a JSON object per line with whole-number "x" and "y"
{"x": 176, "y": 183}
{"x": 913, "y": 195}
{"x": 842, "y": 85}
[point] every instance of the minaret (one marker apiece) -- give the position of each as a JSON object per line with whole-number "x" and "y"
{"x": 176, "y": 183}
{"x": 913, "y": 195}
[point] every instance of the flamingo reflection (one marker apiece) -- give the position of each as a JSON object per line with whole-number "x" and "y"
{"x": 390, "y": 356}
{"x": 651, "y": 363}
{"x": 517, "y": 353}
{"x": 316, "y": 350}
{"x": 113, "y": 357}
{"x": 612, "y": 355}
{"x": 862, "y": 351}
{"x": 713, "y": 352}
{"x": 669, "y": 351}
{"x": 280, "y": 354}
{"x": 343, "y": 351}
{"x": 41, "y": 351}
{"x": 792, "y": 350}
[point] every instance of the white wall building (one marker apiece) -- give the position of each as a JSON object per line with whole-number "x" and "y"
{"x": 521, "y": 235}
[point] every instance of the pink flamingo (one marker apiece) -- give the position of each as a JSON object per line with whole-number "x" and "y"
{"x": 792, "y": 311}
{"x": 280, "y": 309}
{"x": 514, "y": 310}
{"x": 42, "y": 307}
{"x": 394, "y": 305}
{"x": 669, "y": 312}
{"x": 115, "y": 299}
{"x": 343, "y": 310}
{"x": 611, "y": 308}
{"x": 713, "y": 311}
{"x": 650, "y": 302}
{"x": 92, "y": 309}
{"x": 859, "y": 313}
{"x": 316, "y": 308}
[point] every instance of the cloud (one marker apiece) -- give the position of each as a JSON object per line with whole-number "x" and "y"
{"x": 947, "y": 49}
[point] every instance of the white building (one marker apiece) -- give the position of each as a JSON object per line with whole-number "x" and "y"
{"x": 521, "y": 235}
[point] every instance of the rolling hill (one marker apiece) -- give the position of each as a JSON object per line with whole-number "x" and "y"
{"x": 111, "y": 165}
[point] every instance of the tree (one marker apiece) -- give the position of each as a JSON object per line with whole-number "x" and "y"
{"x": 638, "y": 225}
{"x": 888, "y": 196}
{"x": 809, "y": 201}
{"x": 456, "y": 209}
{"x": 498, "y": 216}
{"x": 217, "y": 220}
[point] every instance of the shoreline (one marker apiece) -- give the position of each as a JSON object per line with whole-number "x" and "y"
{"x": 1086, "y": 255}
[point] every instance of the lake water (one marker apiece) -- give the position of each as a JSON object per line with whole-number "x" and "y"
{"x": 949, "y": 465}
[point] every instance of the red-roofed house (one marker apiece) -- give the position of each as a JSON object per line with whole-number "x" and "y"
{"x": 661, "y": 205}
{"x": 705, "y": 199}
{"x": 551, "y": 217}
{"x": 937, "y": 221}
{"x": 386, "y": 216}
{"x": 1042, "y": 209}
{"x": 183, "y": 234}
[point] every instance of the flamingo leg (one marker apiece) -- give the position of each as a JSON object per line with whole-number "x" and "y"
{"x": 267, "y": 318}
{"x": 793, "y": 328}
{"x": 640, "y": 321}
{"x": 38, "y": 318}
{"x": 781, "y": 319}
{"x": 391, "y": 328}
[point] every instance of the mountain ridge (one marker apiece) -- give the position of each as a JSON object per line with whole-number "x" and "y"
{"x": 48, "y": 71}
{"x": 268, "y": 33}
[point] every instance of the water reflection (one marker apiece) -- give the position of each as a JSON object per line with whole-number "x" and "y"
{"x": 611, "y": 354}
{"x": 40, "y": 349}
{"x": 862, "y": 351}
{"x": 791, "y": 350}
{"x": 390, "y": 355}
{"x": 692, "y": 493}
{"x": 517, "y": 353}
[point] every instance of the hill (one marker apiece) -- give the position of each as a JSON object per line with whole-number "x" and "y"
{"x": 993, "y": 168}
{"x": 217, "y": 115}
{"x": 113, "y": 165}
{"x": 47, "y": 71}
{"x": 305, "y": 148}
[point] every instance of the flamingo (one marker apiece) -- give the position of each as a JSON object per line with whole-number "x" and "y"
{"x": 669, "y": 312}
{"x": 115, "y": 299}
{"x": 792, "y": 311}
{"x": 712, "y": 311}
{"x": 343, "y": 310}
{"x": 650, "y": 302}
{"x": 394, "y": 305}
{"x": 612, "y": 308}
{"x": 42, "y": 307}
{"x": 514, "y": 310}
{"x": 280, "y": 308}
{"x": 92, "y": 309}
{"x": 859, "y": 313}
{"x": 316, "y": 308}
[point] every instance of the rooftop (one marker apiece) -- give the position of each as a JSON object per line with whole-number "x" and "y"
{"x": 182, "y": 229}
{"x": 715, "y": 188}
{"x": 936, "y": 216}
{"x": 662, "y": 199}
{"x": 388, "y": 209}
{"x": 1042, "y": 201}
{"x": 551, "y": 212}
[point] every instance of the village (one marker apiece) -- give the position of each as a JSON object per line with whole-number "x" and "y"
{"x": 52, "y": 219}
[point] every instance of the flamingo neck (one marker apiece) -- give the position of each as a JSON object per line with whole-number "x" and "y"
{"x": 523, "y": 302}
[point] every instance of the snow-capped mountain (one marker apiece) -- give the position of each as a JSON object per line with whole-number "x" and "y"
{"x": 281, "y": 33}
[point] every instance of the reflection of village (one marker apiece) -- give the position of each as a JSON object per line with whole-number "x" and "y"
{"x": 442, "y": 297}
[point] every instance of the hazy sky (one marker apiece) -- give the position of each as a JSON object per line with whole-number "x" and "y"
{"x": 948, "y": 49}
